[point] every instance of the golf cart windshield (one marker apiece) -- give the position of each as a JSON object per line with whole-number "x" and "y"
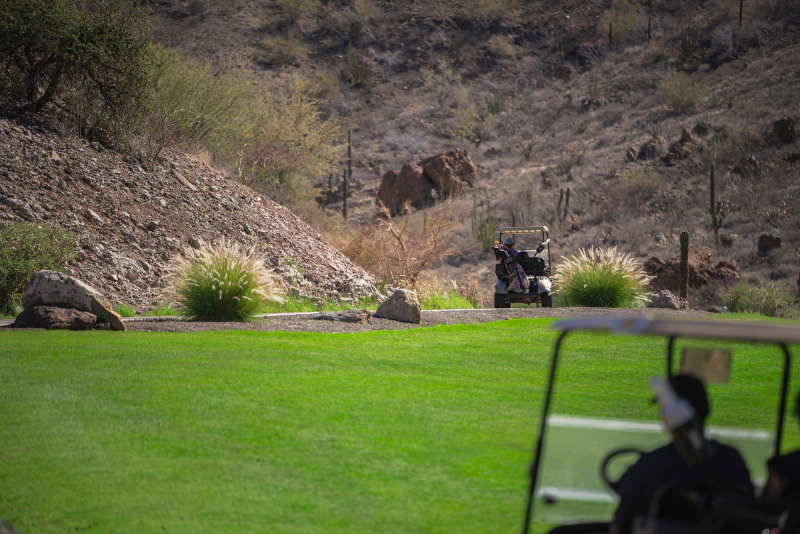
{"x": 614, "y": 410}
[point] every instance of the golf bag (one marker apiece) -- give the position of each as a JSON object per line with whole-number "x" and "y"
{"x": 512, "y": 272}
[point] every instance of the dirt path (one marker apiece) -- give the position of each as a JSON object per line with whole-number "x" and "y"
{"x": 307, "y": 322}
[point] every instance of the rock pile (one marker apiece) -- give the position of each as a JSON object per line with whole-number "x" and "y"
{"x": 54, "y": 300}
{"x": 130, "y": 219}
{"x": 447, "y": 173}
{"x": 701, "y": 270}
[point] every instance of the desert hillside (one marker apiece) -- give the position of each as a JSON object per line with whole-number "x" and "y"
{"x": 541, "y": 101}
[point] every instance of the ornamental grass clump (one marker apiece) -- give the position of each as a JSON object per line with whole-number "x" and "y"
{"x": 601, "y": 277}
{"x": 225, "y": 282}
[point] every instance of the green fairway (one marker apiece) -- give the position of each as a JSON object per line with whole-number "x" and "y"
{"x": 424, "y": 430}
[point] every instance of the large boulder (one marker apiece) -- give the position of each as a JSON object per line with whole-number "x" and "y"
{"x": 450, "y": 171}
{"x": 665, "y": 299}
{"x": 54, "y": 318}
{"x": 701, "y": 270}
{"x": 409, "y": 185}
{"x": 50, "y": 288}
{"x": 401, "y": 306}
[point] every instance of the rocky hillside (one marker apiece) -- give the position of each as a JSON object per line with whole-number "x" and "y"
{"x": 544, "y": 104}
{"x": 129, "y": 220}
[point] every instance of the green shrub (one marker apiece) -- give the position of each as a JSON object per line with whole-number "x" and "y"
{"x": 680, "y": 93}
{"x": 99, "y": 47}
{"x": 621, "y": 16}
{"x": 644, "y": 184}
{"x": 222, "y": 283}
{"x": 771, "y": 300}
{"x": 161, "y": 310}
{"x": 499, "y": 46}
{"x": 284, "y": 49}
{"x": 602, "y": 278}
{"x": 25, "y": 249}
{"x": 484, "y": 226}
{"x": 360, "y": 67}
{"x": 445, "y": 85}
{"x": 491, "y": 12}
{"x": 124, "y": 310}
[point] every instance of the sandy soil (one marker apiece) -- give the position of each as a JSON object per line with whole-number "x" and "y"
{"x": 308, "y": 323}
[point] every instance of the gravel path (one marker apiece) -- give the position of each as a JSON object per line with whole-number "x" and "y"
{"x": 307, "y": 323}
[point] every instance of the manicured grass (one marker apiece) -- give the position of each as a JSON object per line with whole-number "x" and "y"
{"x": 425, "y": 430}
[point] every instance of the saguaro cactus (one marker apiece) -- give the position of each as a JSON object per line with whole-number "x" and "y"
{"x": 348, "y": 174}
{"x": 715, "y": 209}
{"x": 683, "y": 280}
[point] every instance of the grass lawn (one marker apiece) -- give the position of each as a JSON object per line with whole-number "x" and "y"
{"x": 425, "y": 430}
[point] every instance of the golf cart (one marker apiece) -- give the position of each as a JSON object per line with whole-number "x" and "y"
{"x": 536, "y": 269}
{"x": 713, "y": 510}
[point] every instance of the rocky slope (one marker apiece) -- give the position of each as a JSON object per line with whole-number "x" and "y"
{"x": 129, "y": 220}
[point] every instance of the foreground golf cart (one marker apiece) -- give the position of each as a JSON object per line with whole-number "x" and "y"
{"x": 536, "y": 268}
{"x": 711, "y": 509}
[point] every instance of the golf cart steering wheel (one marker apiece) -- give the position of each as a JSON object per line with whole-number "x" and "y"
{"x": 614, "y": 484}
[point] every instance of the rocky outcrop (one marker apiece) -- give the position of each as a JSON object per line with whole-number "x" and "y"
{"x": 360, "y": 289}
{"x": 409, "y": 185}
{"x": 144, "y": 213}
{"x": 363, "y": 316}
{"x": 450, "y": 171}
{"x": 54, "y": 318}
{"x": 701, "y": 270}
{"x": 402, "y": 305}
{"x": 683, "y": 149}
{"x": 50, "y": 288}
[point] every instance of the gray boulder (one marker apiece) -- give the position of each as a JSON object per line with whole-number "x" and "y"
{"x": 403, "y": 306}
{"x": 665, "y": 299}
{"x": 50, "y": 288}
{"x": 54, "y": 318}
{"x": 347, "y": 316}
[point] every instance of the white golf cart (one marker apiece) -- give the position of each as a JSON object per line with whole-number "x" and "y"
{"x": 536, "y": 268}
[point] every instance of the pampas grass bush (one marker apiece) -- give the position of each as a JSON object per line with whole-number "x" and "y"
{"x": 225, "y": 282}
{"x": 601, "y": 277}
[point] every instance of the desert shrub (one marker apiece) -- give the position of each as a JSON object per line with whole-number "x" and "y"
{"x": 602, "y": 278}
{"x": 772, "y": 300}
{"x": 636, "y": 182}
{"x": 190, "y": 102}
{"x": 163, "y": 309}
{"x": 728, "y": 8}
{"x": 360, "y": 67}
{"x": 680, "y": 93}
{"x": 222, "y": 283}
{"x": 294, "y": 9}
{"x": 284, "y": 49}
{"x": 499, "y": 46}
{"x": 491, "y": 12}
{"x": 444, "y": 84}
{"x": 25, "y": 249}
{"x": 621, "y": 16}
{"x": 325, "y": 87}
{"x": 399, "y": 252}
{"x": 98, "y": 46}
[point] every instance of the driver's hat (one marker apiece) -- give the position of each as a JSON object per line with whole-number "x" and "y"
{"x": 509, "y": 241}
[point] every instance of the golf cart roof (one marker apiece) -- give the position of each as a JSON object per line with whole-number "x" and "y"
{"x": 522, "y": 229}
{"x": 739, "y": 331}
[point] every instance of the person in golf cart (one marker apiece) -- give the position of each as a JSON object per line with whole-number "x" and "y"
{"x": 508, "y": 245}
{"x": 783, "y": 480}
{"x": 518, "y": 283}
{"x": 665, "y": 467}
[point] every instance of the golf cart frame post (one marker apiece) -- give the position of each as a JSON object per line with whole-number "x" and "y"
{"x": 783, "y": 336}
{"x": 526, "y": 230}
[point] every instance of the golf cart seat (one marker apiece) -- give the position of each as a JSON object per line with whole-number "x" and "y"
{"x": 533, "y": 266}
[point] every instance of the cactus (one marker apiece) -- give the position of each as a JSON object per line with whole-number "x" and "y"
{"x": 566, "y": 204}
{"x": 609, "y": 33}
{"x": 484, "y": 227}
{"x": 715, "y": 209}
{"x": 683, "y": 280}
{"x": 565, "y": 199}
{"x": 688, "y": 41}
{"x": 560, "y": 201}
{"x": 347, "y": 175}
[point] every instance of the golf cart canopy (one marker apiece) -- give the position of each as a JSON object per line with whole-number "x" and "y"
{"x": 781, "y": 335}
{"x": 734, "y": 331}
{"x": 521, "y": 229}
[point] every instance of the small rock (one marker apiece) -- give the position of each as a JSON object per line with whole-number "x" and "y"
{"x": 729, "y": 239}
{"x": 347, "y": 316}
{"x": 54, "y": 156}
{"x": 403, "y": 306}
{"x": 153, "y": 226}
{"x": 718, "y": 309}
{"x": 196, "y": 242}
{"x": 631, "y": 154}
{"x": 665, "y": 299}
{"x": 686, "y": 136}
{"x": 96, "y": 146}
{"x": 701, "y": 128}
{"x": 660, "y": 238}
{"x": 93, "y": 217}
{"x": 55, "y": 318}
